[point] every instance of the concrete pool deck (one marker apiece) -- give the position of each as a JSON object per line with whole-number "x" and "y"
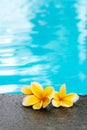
{"x": 13, "y": 116}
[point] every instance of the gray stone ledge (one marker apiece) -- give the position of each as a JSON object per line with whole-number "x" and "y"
{"x": 13, "y": 116}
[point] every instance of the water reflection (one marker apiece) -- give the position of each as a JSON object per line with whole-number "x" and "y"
{"x": 41, "y": 41}
{"x": 82, "y": 47}
{"x": 82, "y": 16}
{"x": 8, "y": 88}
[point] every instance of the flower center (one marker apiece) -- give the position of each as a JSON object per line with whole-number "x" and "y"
{"x": 60, "y": 98}
{"x": 42, "y": 99}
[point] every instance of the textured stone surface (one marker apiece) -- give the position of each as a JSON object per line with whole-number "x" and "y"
{"x": 13, "y": 116}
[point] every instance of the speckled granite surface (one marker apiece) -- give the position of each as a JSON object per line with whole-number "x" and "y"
{"x": 13, "y": 116}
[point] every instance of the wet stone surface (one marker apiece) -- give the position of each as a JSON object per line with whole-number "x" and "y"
{"x": 13, "y": 116}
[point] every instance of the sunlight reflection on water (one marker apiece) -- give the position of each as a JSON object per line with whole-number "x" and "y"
{"x": 43, "y": 41}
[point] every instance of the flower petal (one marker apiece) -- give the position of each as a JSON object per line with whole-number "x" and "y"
{"x": 30, "y": 100}
{"x": 56, "y": 95}
{"x": 48, "y": 92}
{"x": 66, "y": 103}
{"x": 56, "y": 103}
{"x": 71, "y": 97}
{"x": 37, "y": 89}
{"x": 46, "y": 102}
{"x": 62, "y": 91}
{"x": 26, "y": 90}
{"x": 37, "y": 106}
{"x": 76, "y": 98}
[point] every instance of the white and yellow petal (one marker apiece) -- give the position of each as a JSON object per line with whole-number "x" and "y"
{"x": 56, "y": 103}
{"x": 26, "y": 90}
{"x": 37, "y": 89}
{"x": 62, "y": 92}
{"x": 73, "y": 97}
{"x": 30, "y": 100}
{"x": 76, "y": 98}
{"x": 48, "y": 92}
{"x": 56, "y": 95}
{"x": 38, "y": 105}
{"x": 66, "y": 103}
{"x": 46, "y": 102}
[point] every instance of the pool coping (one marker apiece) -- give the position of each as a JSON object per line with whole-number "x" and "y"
{"x": 13, "y": 116}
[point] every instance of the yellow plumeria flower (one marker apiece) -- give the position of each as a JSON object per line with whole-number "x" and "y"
{"x": 39, "y": 97}
{"x": 62, "y": 99}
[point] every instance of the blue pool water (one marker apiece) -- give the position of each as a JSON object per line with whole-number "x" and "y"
{"x": 44, "y": 41}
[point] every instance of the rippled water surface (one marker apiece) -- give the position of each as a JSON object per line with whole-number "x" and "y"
{"x": 44, "y": 41}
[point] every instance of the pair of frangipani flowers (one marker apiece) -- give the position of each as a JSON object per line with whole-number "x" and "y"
{"x": 39, "y": 97}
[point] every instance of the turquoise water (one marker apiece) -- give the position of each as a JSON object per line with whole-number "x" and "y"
{"x": 44, "y": 41}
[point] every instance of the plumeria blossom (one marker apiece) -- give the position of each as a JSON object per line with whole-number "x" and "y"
{"x": 37, "y": 96}
{"x": 62, "y": 99}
